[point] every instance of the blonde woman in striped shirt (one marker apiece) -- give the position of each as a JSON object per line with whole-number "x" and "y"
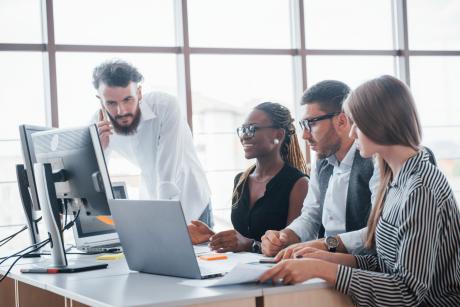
{"x": 415, "y": 223}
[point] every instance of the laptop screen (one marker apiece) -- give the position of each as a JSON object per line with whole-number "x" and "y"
{"x": 88, "y": 226}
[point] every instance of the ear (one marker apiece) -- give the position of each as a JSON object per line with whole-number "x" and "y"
{"x": 139, "y": 93}
{"x": 342, "y": 122}
{"x": 281, "y": 134}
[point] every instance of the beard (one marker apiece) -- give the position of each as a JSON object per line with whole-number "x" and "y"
{"x": 126, "y": 130}
{"x": 331, "y": 147}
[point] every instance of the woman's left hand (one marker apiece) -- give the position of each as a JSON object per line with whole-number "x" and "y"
{"x": 295, "y": 271}
{"x": 230, "y": 241}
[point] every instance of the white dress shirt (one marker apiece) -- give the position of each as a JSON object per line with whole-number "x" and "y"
{"x": 163, "y": 149}
{"x": 307, "y": 225}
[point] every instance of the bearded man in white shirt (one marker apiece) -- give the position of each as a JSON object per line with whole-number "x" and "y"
{"x": 150, "y": 132}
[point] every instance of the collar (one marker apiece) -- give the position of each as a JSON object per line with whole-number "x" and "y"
{"x": 347, "y": 161}
{"x": 146, "y": 112}
{"x": 409, "y": 167}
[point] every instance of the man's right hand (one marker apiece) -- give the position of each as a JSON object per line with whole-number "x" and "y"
{"x": 274, "y": 241}
{"x": 105, "y": 130}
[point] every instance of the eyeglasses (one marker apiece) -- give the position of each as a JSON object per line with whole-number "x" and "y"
{"x": 308, "y": 123}
{"x": 250, "y": 130}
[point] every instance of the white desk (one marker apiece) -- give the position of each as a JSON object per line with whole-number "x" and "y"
{"x": 117, "y": 286}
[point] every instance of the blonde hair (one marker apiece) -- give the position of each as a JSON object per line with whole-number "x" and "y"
{"x": 384, "y": 110}
{"x": 289, "y": 150}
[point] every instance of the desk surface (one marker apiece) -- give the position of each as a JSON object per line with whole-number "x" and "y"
{"x": 118, "y": 286}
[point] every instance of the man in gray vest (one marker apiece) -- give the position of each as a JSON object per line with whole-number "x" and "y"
{"x": 341, "y": 184}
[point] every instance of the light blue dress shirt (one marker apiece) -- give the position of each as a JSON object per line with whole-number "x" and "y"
{"x": 307, "y": 225}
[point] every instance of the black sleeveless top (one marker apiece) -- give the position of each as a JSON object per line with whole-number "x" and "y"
{"x": 271, "y": 210}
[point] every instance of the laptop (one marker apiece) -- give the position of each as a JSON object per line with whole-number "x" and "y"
{"x": 95, "y": 234}
{"x": 155, "y": 239}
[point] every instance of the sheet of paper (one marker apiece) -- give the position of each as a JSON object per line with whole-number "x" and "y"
{"x": 241, "y": 273}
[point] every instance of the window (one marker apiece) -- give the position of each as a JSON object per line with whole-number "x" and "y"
{"x": 20, "y": 21}
{"x": 352, "y": 24}
{"x": 115, "y": 22}
{"x": 353, "y": 70}
{"x": 239, "y": 23}
{"x": 434, "y": 25}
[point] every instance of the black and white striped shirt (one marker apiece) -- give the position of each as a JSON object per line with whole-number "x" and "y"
{"x": 417, "y": 244}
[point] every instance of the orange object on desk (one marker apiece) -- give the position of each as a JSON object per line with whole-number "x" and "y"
{"x": 213, "y": 257}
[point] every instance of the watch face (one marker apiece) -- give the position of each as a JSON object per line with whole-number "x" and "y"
{"x": 332, "y": 242}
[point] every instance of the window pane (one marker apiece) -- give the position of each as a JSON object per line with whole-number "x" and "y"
{"x": 115, "y": 22}
{"x": 214, "y": 148}
{"x": 451, "y": 168}
{"x": 445, "y": 144}
{"x": 76, "y": 95}
{"x": 22, "y": 97}
{"x": 20, "y": 21}
{"x": 10, "y": 205}
{"x": 239, "y": 23}
{"x": 352, "y": 24}
{"x": 434, "y": 82}
{"x": 10, "y": 155}
{"x": 231, "y": 85}
{"x": 443, "y": 141}
{"x": 353, "y": 70}
{"x": 434, "y": 24}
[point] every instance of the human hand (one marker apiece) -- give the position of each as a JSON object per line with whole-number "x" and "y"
{"x": 293, "y": 250}
{"x": 230, "y": 241}
{"x": 199, "y": 232}
{"x": 292, "y": 271}
{"x": 105, "y": 130}
{"x": 273, "y": 241}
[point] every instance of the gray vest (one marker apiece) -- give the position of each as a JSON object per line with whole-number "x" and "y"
{"x": 358, "y": 195}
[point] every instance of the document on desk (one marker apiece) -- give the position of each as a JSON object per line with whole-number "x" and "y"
{"x": 241, "y": 273}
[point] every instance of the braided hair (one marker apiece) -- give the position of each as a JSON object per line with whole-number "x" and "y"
{"x": 289, "y": 150}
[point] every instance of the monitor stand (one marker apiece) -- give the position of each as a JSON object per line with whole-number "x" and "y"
{"x": 51, "y": 208}
{"x": 30, "y": 213}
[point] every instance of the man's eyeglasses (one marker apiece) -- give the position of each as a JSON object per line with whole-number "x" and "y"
{"x": 250, "y": 130}
{"x": 308, "y": 123}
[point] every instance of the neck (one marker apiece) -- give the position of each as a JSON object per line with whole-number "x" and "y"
{"x": 268, "y": 166}
{"x": 344, "y": 148}
{"x": 396, "y": 156}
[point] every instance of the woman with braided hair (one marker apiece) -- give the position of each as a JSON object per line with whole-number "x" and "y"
{"x": 270, "y": 193}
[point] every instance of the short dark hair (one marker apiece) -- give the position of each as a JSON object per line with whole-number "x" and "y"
{"x": 329, "y": 94}
{"x": 116, "y": 73}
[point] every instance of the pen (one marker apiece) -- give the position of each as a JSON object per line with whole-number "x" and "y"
{"x": 46, "y": 271}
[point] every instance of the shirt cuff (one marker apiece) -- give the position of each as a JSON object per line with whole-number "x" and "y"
{"x": 353, "y": 240}
{"x": 297, "y": 229}
{"x": 344, "y": 276}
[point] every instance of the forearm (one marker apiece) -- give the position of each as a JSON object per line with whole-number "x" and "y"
{"x": 326, "y": 270}
{"x": 341, "y": 258}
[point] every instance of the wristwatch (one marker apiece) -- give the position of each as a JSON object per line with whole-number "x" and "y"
{"x": 331, "y": 243}
{"x": 256, "y": 247}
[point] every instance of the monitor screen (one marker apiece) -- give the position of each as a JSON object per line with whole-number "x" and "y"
{"x": 77, "y": 151}
{"x": 92, "y": 226}
{"x": 25, "y": 135}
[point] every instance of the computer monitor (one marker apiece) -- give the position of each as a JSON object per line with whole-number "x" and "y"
{"x": 70, "y": 173}
{"x": 26, "y": 180}
{"x": 25, "y": 135}
{"x": 97, "y": 232}
{"x": 78, "y": 152}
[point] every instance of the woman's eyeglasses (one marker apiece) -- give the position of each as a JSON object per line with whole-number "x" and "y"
{"x": 249, "y": 130}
